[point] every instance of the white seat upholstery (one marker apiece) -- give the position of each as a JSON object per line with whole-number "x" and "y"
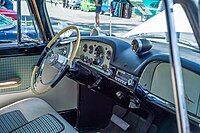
{"x": 33, "y": 108}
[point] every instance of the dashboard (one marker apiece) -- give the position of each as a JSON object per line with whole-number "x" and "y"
{"x": 105, "y": 56}
{"x": 115, "y": 59}
{"x": 95, "y": 54}
{"x": 129, "y": 68}
{"x": 144, "y": 77}
{"x": 100, "y": 56}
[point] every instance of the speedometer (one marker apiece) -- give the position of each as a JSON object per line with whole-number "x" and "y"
{"x": 98, "y": 55}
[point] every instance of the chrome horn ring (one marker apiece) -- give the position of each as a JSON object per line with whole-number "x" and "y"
{"x": 53, "y": 60}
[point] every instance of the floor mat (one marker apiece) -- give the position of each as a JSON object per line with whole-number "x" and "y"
{"x": 136, "y": 123}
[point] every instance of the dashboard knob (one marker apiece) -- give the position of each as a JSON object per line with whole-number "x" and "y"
{"x": 82, "y": 57}
{"x": 86, "y": 59}
{"x": 105, "y": 67}
{"x": 97, "y": 61}
{"x": 90, "y": 61}
{"x": 108, "y": 55}
{"x": 130, "y": 82}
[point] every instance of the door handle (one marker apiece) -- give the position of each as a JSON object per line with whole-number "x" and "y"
{"x": 10, "y": 83}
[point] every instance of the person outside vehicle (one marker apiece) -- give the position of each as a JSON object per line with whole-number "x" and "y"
{"x": 98, "y": 4}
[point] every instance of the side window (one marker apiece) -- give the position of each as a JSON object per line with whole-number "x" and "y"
{"x": 29, "y": 28}
{"x": 9, "y": 21}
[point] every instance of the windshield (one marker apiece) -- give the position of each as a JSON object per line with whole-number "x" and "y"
{"x": 122, "y": 18}
{"x": 156, "y": 28}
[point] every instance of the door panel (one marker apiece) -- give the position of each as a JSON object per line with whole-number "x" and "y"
{"x": 62, "y": 97}
{"x": 18, "y": 62}
{"x": 17, "y": 67}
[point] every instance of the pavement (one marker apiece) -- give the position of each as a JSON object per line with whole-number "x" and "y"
{"x": 86, "y": 20}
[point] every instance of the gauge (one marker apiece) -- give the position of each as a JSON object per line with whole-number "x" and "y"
{"x": 91, "y": 48}
{"x": 135, "y": 45}
{"x": 108, "y": 55}
{"x": 141, "y": 45}
{"x": 85, "y": 47}
{"x": 98, "y": 55}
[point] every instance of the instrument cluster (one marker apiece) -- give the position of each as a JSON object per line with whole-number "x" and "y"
{"x": 96, "y": 54}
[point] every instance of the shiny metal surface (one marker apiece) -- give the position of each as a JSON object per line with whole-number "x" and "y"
{"x": 176, "y": 72}
{"x": 19, "y": 21}
{"x": 89, "y": 56}
{"x": 57, "y": 61}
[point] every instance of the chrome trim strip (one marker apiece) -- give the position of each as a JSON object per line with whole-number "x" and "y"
{"x": 37, "y": 15}
{"x": 139, "y": 49}
{"x": 176, "y": 72}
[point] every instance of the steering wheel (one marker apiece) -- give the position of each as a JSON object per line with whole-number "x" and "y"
{"x": 52, "y": 65}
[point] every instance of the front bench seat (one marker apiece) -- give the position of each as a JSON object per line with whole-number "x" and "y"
{"x": 32, "y": 115}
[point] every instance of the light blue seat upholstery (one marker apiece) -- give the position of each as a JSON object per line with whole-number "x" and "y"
{"x": 32, "y": 115}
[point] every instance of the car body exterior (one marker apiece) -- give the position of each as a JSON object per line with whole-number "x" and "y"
{"x": 9, "y": 13}
{"x": 105, "y": 8}
{"x": 87, "y": 5}
{"x": 8, "y": 28}
{"x": 74, "y": 4}
{"x": 147, "y": 9}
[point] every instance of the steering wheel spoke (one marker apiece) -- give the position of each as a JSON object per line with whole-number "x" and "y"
{"x": 52, "y": 65}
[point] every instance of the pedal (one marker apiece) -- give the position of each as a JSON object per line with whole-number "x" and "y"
{"x": 119, "y": 122}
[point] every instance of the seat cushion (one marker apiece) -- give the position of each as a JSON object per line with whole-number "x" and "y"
{"x": 43, "y": 124}
{"x": 11, "y": 120}
{"x": 27, "y": 113}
